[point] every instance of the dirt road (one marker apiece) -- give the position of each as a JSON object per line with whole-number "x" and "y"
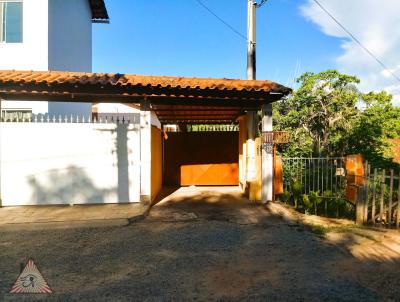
{"x": 199, "y": 248}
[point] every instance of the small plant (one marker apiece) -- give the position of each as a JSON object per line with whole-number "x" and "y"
{"x": 307, "y": 203}
{"x": 328, "y": 199}
{"x": 296, "y": 187}
{"x": 328, "y": 194}
{"x": 315, "y": 199}
{"x": 285, "y": 197}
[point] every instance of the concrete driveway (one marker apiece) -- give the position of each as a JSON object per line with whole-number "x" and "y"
{"x": 200, "y": 244}
{"x": 69, "y": 216}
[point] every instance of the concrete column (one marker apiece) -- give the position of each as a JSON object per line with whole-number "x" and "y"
{"x": 145, "y": 152}
{"x": 242, "y": 152}
{"x": 267, "y": 158}
{"x": 251, "y": 149}
{"x": 1, "y": 129}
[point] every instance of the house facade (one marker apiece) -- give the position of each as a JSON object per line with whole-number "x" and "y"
{"x": 78, "y": 137}
{"x": 46, "y": 35}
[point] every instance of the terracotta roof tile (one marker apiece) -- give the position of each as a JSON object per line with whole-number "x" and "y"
{"x": 126, "y": 80}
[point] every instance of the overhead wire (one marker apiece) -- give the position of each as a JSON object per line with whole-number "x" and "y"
{"x": 261, "y": 3}
{"x": 222, "y": 20}
{"x": 351, "y": 35}
{"x": 355, "y": 39}
{"x": 258, "y": 5}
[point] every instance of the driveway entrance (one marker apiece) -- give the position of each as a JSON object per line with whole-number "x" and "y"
{"x": 220, "y": 203}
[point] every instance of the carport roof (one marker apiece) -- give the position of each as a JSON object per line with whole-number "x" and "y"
{"x": 179, "y": 99}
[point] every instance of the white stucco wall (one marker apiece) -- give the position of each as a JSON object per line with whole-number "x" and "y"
{"x": 70, "y": 35}
{"x": 32, "y": 53}
{"x": 70, "y": 46}
{"x": 57, "y": 35}
{"x": 104, "y": 109}
{"x": 64, "y": 163}
{"x": 147, "y": 119}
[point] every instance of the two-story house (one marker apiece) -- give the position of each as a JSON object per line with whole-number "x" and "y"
{"x": 48, "y": 35}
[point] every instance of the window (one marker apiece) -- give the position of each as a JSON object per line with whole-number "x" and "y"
{"x": 11, "y": 21}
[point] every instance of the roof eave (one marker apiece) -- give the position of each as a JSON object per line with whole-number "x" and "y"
{"x": 99, "y": 11}
{"x": 101, "y": 21}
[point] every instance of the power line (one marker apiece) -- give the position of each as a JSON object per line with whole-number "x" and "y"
{"x": 357, "y": 41}
{"x": 222, "y": 20}
{"x": 261, "y": 3}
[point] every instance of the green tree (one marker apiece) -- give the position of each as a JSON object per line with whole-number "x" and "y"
{"x": 319, "y": 114}
{"x": 376, "y": 124}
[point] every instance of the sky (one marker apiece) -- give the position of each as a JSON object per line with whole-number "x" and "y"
{"x": 180, "y": 38}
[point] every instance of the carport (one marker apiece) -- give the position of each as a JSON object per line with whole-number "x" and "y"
{"x": 197, "y": 153}
{"x": 226, "y": 155}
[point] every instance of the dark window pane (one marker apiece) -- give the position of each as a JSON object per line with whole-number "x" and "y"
{"x": 13, "y": 16}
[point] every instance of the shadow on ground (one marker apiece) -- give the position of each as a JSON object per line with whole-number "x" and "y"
{"x": 203, "y": 244}
{"x": 210, "y": 203}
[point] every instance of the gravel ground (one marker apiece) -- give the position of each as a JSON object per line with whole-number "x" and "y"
{"x": 208, "y": 253}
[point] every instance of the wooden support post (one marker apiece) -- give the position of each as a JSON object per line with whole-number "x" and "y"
{"x": 398, "y": 205}
{"x": 373, "y": 209}
{"x": 360, "y": 205}
{"x": 382, "y": 196}
{"x": 390, "y": 198}
{"x": 367, "y": 177}
{"x": 362, "y": 201}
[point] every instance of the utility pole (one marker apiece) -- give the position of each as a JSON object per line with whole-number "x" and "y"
{"x": 251, "y": 115}
{"x": 267, "y": 169}
{"x": 251, "y": 40}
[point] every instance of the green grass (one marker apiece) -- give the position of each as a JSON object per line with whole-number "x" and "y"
{"x": 318, "y": 229}
{"x": 322, "y": 231}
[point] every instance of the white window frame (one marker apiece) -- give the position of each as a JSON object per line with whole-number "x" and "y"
{"x": 2, "y": 40}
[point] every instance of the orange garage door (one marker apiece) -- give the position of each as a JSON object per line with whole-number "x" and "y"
{"x": 201, "y": 158}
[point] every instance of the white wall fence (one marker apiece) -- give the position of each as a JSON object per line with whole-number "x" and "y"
{"x": 121, "y": 118}
{"x": 64, "y": 160}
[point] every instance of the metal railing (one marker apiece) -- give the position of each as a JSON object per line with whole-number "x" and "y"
{"x": 316, "y": 174}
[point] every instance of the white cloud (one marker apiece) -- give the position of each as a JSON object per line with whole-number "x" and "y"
{"x": 376, "y": 23}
